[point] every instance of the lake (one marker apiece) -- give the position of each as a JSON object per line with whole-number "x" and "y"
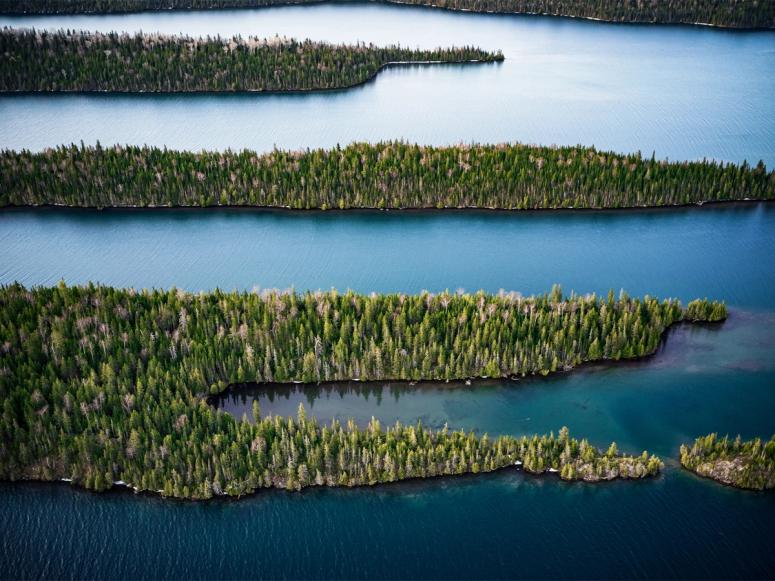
{"x": 505, "y": 525}
{"x": 682, "y": 92}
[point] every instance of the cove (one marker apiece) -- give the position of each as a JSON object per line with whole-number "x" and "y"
{"x": 682, "y": 92}
{"x": 502, "y": 525}
{"x": 656, "y": 403}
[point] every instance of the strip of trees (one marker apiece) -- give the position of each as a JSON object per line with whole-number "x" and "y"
{"x": 743, "y": 464}
{"x": 101, "y": 385}
{"x": 362, "y": 175}
{"x": 39, "y": 61}
{"x": 731, "y": 13}
{"x": 703, "y": 310}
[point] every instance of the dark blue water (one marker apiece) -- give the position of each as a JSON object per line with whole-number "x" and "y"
{"x": 684, "y": 92}
{"x": 495, "y": 526}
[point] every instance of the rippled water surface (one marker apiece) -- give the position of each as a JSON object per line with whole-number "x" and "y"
{"x": 495, "y": 526}
{"x": 684, "y": 92}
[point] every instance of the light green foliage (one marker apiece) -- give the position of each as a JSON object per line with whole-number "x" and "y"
{"x": 702, "y": 310}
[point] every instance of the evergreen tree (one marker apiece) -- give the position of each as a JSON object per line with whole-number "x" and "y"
{"x": 749, "y": 464}
{"x": 362, "y": 175}
{"x": 65, "y": 61}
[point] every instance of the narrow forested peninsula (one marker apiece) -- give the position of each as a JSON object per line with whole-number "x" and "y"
{"x": 727, "y": 13}
{"x": 65, "y": 61}
{"x": 390, "y": 175}
{"x": 743, "y": 464}
{"x": 100, "y": 385}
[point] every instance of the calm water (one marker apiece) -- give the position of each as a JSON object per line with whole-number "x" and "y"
{"x": 655, "y": 404}
{"x": 724, "y": 253}
{"x": 684, "y": 92}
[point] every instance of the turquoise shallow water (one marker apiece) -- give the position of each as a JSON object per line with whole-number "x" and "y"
{"x": 656, "y": 404}
{"x": 684, "y": 92}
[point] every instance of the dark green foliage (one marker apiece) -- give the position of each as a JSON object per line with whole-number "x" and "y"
{"x": 749, "y": 464}
{"x": 734, "y": 13}
{"x": 383, "y": 175}
{"x": 100, "y": 384}
{"x": 83, "y": 61}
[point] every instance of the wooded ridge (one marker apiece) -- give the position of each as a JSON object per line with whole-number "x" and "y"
{"x": 390, "y": 175}
{"x": 71, "y": 61}
{"x": 729, "y": 13}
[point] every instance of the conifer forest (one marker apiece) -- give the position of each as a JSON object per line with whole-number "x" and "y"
{"x": 391, "y": 175}
{"x": 69, "y": 61}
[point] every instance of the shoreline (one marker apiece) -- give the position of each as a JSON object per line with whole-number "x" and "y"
{"x": 121, "y": 487}
{"x": 269, "y": 92}
{"x": 590, "y": 19}
{"x": 578, "y": 464}
{"x": 401, "y": 4}
{"x": 731, "y": 485}
{"x": 713, "y": 204}
{"x": 457, "y": 383}
{"x": 742, "y": 464}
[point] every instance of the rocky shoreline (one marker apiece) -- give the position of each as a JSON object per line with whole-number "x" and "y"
{"x": 747, "y": 465}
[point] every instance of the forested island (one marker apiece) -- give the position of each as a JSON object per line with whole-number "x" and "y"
{"x": 101, "y": 385}
{"x": 727, "y": 13}
{"x": 743, "y": 464}
{"x": 389, "y": 175}
{"x": 71, "y": 61}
